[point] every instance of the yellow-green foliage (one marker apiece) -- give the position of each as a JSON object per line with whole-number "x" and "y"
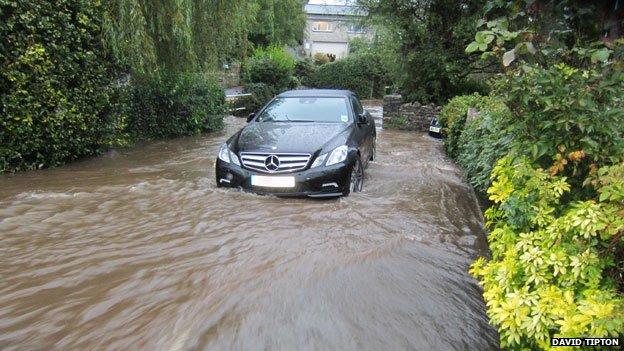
{"x": 547, "y": 275}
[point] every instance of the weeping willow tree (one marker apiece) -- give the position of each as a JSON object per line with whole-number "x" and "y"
{"x": 184, "y": 35}
{"x": 278, "y": 22}
{"x": 176, "y": 35}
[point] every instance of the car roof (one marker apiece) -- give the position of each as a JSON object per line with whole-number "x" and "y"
{"x": 316, "y": 92}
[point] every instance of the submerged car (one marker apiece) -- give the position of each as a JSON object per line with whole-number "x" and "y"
{"x": 313, "y": 143}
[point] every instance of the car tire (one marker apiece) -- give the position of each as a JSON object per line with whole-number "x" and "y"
{"x": 374, "y": 151}
{"x": 356, "y": 177}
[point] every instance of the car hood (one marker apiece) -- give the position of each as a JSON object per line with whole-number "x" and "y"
{"x": 288, "y": 137}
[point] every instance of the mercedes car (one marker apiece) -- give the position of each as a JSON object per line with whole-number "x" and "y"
{"x": 314, "y": 143}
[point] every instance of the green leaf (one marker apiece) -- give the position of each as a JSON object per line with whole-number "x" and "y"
{"x": 601, "y": 55}
{"x": 472, "y": 47}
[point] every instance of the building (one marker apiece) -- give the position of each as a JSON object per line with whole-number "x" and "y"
{"x": 329, "y": 28}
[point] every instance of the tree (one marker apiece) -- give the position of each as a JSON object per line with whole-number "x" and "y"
{"x": 169, "y": 35}
{"x": 432, "y": 35}
{"x": 277, "y": 22}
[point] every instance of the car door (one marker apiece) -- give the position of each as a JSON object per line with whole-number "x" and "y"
{"x": 363, "y": 131}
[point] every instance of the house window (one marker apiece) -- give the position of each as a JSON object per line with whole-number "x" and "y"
{"x": 322, "y": 27}
{"x": 356, "y": 28}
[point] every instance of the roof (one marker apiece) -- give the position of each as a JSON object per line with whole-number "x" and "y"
{"x": 340, "y": 10}
{"x": 316, "y": 92}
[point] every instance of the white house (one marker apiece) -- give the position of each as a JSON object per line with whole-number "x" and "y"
{"x": 330, "y": 27}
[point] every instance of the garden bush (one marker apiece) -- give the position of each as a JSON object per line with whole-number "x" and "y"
{"x": 481, "y": 143}
{"x": 559, "y": 110}
{"x": 57, "y": 97}
{"x": 272, "y": 66}
{"x": 453, "y": 117}
{"x": 363, "y": 74}
{"x": 169, "y": 105}
{"x": 304, "y": 70}
{"x": 549, "y": 271}
{"x": 260, "y": 94}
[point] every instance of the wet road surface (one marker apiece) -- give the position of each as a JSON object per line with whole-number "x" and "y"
{"x": 138, "y": 250}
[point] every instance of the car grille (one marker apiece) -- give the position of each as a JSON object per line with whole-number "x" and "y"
{"x": 274, "y": 163}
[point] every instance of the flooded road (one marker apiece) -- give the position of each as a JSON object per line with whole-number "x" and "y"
{"x": 138, "y": 250}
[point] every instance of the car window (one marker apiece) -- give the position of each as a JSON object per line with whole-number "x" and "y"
{"x": 306, "y": 109}
{"x": 357, "y": 107}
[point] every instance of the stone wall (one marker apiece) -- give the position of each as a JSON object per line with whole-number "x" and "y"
{"x": 411, "y": 116}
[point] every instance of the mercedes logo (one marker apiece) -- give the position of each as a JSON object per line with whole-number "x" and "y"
{"x": 271, "y": 163}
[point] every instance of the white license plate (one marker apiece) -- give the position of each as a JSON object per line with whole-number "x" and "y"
{"x": 434, "y": 129}
{"x": 273, "y": 182}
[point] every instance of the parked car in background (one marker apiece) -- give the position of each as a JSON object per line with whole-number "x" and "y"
{"x": 314, "y": 143}
{"x": 435, "y": 129}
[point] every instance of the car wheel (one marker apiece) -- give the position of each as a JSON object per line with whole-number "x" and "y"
{"x": 374, "y": 151}
{"x": 356, "y": 177}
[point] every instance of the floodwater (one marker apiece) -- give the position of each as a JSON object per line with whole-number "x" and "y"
{"x": 138, "y": 250}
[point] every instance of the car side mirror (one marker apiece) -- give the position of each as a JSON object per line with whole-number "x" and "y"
{"x": 251, "y": 117}
{"x": 362, "y": 118}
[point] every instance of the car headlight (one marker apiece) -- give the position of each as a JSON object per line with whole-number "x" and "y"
{"x": 319, "y": 161}
{"x": 338, "y": 155}
{"x": 228, "y": 156}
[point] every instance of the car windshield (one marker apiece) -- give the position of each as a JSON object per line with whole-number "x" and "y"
{"x": 306, "y": 109}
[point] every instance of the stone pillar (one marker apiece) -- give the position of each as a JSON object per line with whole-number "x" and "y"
{"x": 391, "y": 106}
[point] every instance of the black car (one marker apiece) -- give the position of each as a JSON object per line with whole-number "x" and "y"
{"x": 313, "y": 143}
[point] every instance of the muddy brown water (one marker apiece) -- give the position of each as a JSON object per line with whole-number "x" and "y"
{"x": 138, "y": 250}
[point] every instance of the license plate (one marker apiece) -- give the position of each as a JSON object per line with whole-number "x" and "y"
{"x": 434, "y": 129}
{"x": 273, "y": 182}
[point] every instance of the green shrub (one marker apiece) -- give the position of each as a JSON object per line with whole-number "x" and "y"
{"x": 453, "y": 117}
{"x": 304, "y": 70}
{"x": 476, "y": 144}
{"x": 457, "y": 107}
{"x": 548, "y": 273}
{"x": 260, "y": 94}
{"x": 168, "y": 105}
{"x": 363, "y": 74}
{"x": 56, "y": 101}
{"x": 272, "y": 66}
{"x": 560, "y": 110}
{"x": 359, "y": 45}
{"x": 482, "y": 142}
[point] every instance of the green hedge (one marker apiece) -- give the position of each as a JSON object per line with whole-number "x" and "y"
{"x": 363, "y": 74}
{"x": 164, "y": 106}
{"x": 482, "y": 142}
{"x": 551, "y": 161}
{"x": 304, "y": 70}
{"x": 453, "y": 117}
{"x": 57, "y": 101}
{"x": 272, "y": 66}
{"x": 260, "y": 94}
{"x": 478, "y": 143}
